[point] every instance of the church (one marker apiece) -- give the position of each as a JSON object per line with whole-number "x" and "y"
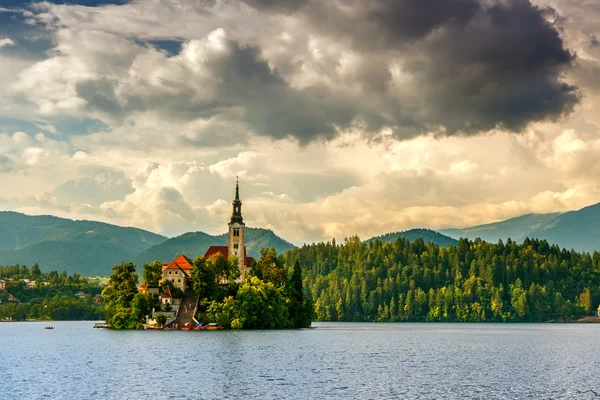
{"x": 179, "y": 271}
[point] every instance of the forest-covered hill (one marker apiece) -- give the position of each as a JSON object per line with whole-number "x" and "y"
{"x": 471, "y": 281}
{"x": 428, "y": 236}
{"x": 84, "y": 247}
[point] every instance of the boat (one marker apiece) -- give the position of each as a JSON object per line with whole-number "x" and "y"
{"x": 214, "y": 327}
{"x": 187, "y": 327}
{"x": 200, "y": 327}
{"x": 101, "y": 325}
{"x": 48, "y": 327}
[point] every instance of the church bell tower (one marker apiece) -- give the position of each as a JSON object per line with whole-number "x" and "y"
{"x": 235, "y": 242}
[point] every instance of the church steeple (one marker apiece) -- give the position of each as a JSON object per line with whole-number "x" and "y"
{"x": 235, "y": 240}
{"x": 236, "y": 215}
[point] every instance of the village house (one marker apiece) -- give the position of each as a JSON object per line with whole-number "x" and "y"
{"x": 166, "y": 298}
{"x": 80, "y": 295}
{"x": 29, "y": 283}
{"x": 12, "y": 298}
{"x": 97, "y": 299}
{"x": 2, "y": 284}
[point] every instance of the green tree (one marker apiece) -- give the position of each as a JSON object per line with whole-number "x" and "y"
{"x": 270, "y": 267}
{"x": 204, "y": 278}
{"x": 118, "y": 297}
{"x": 152, "y": 273}
{"x": 161, "y": 319}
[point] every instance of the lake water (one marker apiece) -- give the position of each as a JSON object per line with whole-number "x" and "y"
{"x": 331, "y": 360}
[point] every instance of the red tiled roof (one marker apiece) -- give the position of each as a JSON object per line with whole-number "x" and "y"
{"x": 167, "y": 294}
{"x": 212, "y": 250}
{"x": 181, "y": 262}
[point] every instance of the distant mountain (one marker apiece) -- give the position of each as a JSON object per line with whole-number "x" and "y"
{"x": 84, "y": 247}
{"x": 515, "y": 228}
{"x": 426, "y": 234}
{"x": 579, "y": 230}
{"x": 194, "y": 244}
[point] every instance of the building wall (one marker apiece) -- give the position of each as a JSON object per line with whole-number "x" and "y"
{"x": 239, "y": 252}
{"x": 176, "y": 276}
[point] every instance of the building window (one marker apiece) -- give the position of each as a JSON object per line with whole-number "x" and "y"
{"x": 236, "y": 232}
{"x": 235, "y": 246}
{"x": 178, "y": 280}
{"x": 169, "y": 272}
{"x": 237, "y": 209}
{"x": 176, "y": 272}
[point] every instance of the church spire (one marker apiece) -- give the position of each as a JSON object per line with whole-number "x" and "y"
{"x": 236, "y": 215}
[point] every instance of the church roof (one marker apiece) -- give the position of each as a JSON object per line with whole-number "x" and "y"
{"x": 224, "y": 250}
{"x": 212, "y": 250}
{"x": 167, "y": 294}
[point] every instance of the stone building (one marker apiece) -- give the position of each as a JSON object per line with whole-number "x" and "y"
{"x": 236, "y": 246}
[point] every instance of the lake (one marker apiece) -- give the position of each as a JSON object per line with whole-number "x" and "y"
{"x": 331, "y": 360}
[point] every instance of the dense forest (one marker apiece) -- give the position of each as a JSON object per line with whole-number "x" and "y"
{"x": 51, "y": 295}
{"x": 471, "y": 281}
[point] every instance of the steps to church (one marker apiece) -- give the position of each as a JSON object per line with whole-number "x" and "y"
{"x": 186, "y": 310}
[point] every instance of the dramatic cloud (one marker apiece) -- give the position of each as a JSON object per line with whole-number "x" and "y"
{"x": 340, "y": 117}
{"x": 447, "y": 67}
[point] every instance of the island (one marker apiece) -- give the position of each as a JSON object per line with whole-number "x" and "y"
{"x": 222, "y": 289}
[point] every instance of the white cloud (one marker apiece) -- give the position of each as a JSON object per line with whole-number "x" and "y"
{"x": 6, "y": 42}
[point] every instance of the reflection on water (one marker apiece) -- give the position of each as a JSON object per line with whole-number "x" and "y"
{"x": 332, "y": 360}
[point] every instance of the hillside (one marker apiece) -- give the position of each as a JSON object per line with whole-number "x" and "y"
{"x": 579, "y": 230}
{"x": 515, "y": 228}
{"x": 194, "y": 244}
{"x": 428, "y": 236}
{"x": 85, "y": 247}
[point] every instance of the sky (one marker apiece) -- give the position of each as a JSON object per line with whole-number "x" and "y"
{"x": 340, "y": 117}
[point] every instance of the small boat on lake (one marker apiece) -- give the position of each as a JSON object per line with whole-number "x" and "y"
{"x": 48, "y": 327}
{"x": 101, "y": 325}
{"x": 187, "y": 327}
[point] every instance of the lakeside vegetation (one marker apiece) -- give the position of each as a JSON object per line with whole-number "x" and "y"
{"x": 30, "y": 294}
{"x": 271, "y": 298}
{"x": 473, "y": 281}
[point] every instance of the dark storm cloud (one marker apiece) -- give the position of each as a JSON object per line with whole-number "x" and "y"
{"x": 277, "y": 5}
{"x": 413, "y": 19}
{"x": 477, "y": 66}
{"x": 467, "y": 66}
{"x": 502, "y": 69}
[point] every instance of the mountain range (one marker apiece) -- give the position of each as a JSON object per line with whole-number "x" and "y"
{"x": 92, "y": 248}
{"x": 578, "y": 230}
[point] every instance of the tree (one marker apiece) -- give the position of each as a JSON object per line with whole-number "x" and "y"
{"x": 152, "y": 273}
{"x": 203, "y": 278}
{"x": 300, "y": 310}
{"x": 226, "y": 270}
{"x": 118, "y": 297}
{"x": 270, "y": 267}
{"x": 257, "y": 305}
{"x": 161, "y": 319}
{"x": 585, "y": 300}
